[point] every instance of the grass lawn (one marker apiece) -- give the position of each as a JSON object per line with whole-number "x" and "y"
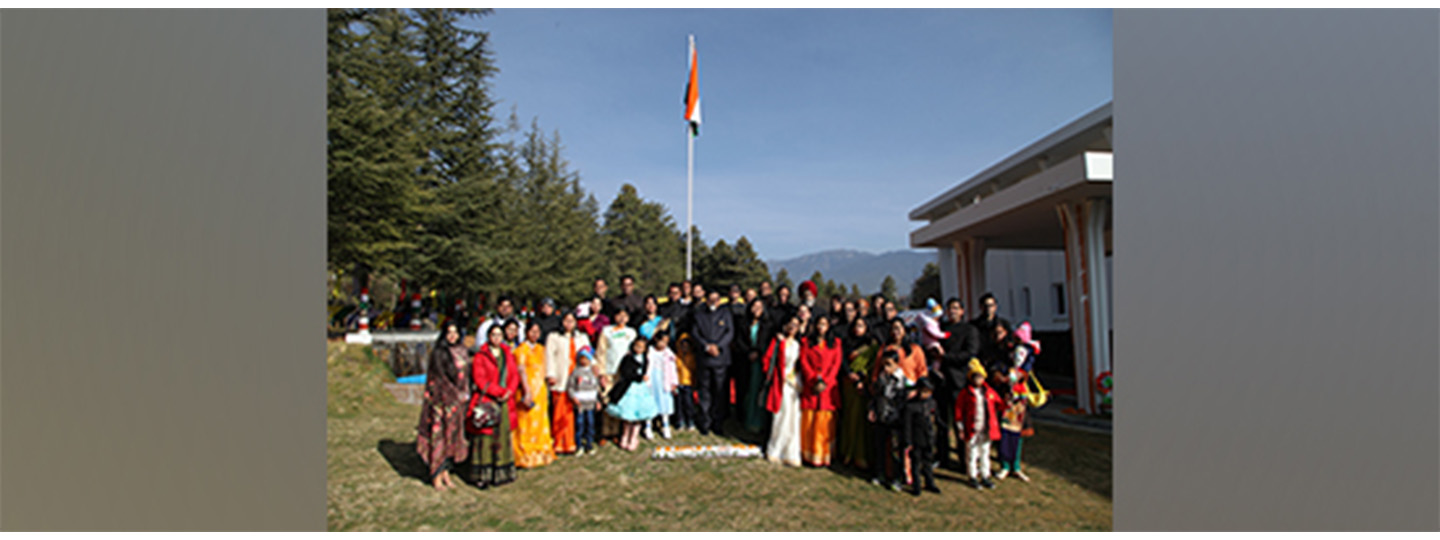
{"x": 374, "y": 483}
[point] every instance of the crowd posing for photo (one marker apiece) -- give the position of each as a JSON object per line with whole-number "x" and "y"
{"x": 846, "y": 384}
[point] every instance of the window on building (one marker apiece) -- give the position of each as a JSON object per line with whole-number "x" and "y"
{"x": 1025, "y": 301}
{"x": 1058, "y": 298}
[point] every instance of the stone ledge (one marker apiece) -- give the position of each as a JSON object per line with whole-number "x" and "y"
{"x": 409, "y": 394}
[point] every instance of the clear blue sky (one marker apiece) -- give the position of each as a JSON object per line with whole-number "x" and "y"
{"x": 822, "y": 128}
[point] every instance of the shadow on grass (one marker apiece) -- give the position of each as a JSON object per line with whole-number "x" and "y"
{"x": 1080, "y": 457}
{"x": 404, "y": 460}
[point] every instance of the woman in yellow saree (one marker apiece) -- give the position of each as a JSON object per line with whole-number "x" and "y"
{"x": 532, "y": 442}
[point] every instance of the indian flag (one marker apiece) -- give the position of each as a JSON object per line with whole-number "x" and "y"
{"x": 692, "y": 92}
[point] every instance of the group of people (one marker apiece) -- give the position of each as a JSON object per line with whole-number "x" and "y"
{"x": 840, "y": 385}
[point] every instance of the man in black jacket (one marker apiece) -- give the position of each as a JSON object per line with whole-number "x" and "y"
{"x": 607, "y": 306}
{"x": 672, "y": 309}
{"x": 630, "y": 301}
{"x": 714, "y": 328}
{"x": 962, "y": 345}
{"x": 985, "y": 324}
{"x": 548, "y": 318}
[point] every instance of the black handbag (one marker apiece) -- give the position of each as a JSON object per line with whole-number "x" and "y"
{"x": 484, "y": 414}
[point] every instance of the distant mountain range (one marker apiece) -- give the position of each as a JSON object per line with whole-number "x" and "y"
{"x": 862, "y": 268}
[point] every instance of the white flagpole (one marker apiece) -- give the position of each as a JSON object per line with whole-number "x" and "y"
{"x": 689, "y": 183}
{"x": 689, "y": 198}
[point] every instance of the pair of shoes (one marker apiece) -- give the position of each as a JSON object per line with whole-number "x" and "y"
{"x": 895, "y": 486}
{"x": 975, "y": 483}
{"x": 987, "y": 483}
{"x": 1003, "y": 473}
{"x": 665, "y": 432}
{"x": 649, "y": 432}
{"x": 1022, "y": 477}
{"x": 580, "y": 452}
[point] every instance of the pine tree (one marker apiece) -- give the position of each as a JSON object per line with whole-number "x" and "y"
{"x": 753, "y": 270}
{"x": 560, "y": 250}
{"x": 782, "y": 280}
{"x": 468, "y": 243}
{"x": 640, "y": 239}
{"x": 373, "y": 195}
{"x": 414, "y": 184}
{"x": 725, "y": 266}
{"x": 926, "y": 286}
{"x": 887, "y": 288}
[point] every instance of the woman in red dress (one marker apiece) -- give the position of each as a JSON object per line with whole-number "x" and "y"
{"x": 820, "y": 358}
{"x": 497, "y": 382}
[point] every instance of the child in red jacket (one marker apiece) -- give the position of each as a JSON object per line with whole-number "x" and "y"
{"x": 976, "y": 413}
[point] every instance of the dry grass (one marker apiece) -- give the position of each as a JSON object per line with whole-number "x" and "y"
{"x": 374, "y": 484}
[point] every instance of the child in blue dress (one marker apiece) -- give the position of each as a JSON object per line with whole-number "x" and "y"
{"x": 631, "y": 399}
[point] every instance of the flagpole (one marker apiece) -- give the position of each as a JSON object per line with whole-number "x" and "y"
{"x": 689, "y": 177}
{"x": 689, "y": 198}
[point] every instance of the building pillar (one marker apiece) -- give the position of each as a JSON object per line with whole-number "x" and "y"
{"x": 1098, "y": 289}
{"x": 1073, "y": 224}
{"x": 978, "y": 287}
{"x": 970, "y": 263}
{"x": 1087, "y": 285}
{"x": 949, "y": 278}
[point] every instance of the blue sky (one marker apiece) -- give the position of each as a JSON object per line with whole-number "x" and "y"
{"x": 822, "y": 128}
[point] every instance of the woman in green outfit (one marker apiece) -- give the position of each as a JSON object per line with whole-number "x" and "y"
{"x": 752, "y": 340}
{"x": 858, "y": 347}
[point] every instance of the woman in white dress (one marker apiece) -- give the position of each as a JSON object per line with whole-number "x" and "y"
{"x": 782, "y": 396}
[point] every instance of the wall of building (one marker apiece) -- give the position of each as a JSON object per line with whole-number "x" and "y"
{"x": 1029, "y": 284}
{"x": 1014, "y": 275}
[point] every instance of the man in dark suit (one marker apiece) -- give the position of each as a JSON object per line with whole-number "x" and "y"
{"x": 962, "y": 345}
{"x": 630, "y": 301}
{"x": 985, "y": 324}
{"x": 714, "y": 328}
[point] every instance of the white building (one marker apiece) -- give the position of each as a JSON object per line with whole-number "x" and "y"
{"x": 1034, "y": 230}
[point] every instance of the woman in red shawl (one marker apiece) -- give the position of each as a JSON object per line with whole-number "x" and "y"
{"x": 497, "y": 381}
{"x": 782, "y": 395}
{"x": 820, "y": 357}
{"x": 441, "y": 440}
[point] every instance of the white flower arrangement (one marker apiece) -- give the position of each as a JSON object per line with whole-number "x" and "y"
{"x": 707, "y": 451}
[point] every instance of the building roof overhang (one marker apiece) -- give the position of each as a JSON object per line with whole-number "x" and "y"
{"x": 1090, "y": 132}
